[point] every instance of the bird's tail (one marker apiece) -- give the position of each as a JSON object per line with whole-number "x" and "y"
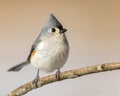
{"x": 19, "y": 66}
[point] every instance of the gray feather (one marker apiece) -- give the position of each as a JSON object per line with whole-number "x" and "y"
{"x": 19, "y": 66}
{"x": 52, "y": 22}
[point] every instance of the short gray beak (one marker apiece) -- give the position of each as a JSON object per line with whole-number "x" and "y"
{"x": 63, "y": 30}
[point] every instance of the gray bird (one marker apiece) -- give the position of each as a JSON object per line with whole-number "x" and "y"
{"x": 49, "y": 51}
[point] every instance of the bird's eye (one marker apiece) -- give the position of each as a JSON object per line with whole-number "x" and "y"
{"x": 53, "y": 29}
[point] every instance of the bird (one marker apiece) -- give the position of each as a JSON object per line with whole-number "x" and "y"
{"x": 49, "y": 51}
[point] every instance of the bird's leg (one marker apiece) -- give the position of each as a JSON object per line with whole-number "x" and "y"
{"x": 58, "y": 74}
{"x": 35, "y": 81}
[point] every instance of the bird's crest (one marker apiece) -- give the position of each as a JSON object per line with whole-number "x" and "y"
{"x": 52, "y": 22}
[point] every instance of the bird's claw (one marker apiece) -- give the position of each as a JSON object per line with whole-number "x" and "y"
{"x": 35, "y": 81}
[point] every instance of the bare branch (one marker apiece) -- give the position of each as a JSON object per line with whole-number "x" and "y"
{"x": 65, "y": 75}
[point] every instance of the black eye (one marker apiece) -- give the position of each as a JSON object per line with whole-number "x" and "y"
{"x": 53, "y": 30}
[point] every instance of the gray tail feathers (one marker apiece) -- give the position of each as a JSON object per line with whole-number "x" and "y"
{"x": 19, "y": 66}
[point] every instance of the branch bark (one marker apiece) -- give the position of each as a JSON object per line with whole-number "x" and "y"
{"x": 65, "y": 75}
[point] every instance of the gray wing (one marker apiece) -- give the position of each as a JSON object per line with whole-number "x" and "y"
{"x": 37, "y": 41}
{"x": 21, "y": 65}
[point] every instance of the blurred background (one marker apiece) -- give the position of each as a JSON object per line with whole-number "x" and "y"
{"x": 94, "y": 37}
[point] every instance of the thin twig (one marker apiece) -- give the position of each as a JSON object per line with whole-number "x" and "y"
{"x": 65, "y": 75}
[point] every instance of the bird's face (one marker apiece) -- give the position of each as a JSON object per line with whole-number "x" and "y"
{"x": 52, "y": 28}
{"x": 56, "y": 31}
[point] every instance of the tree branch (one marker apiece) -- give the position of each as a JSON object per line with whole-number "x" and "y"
{"x": 65, "y": 75}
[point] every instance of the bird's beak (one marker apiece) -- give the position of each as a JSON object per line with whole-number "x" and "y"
{"x": 63, "y": 30}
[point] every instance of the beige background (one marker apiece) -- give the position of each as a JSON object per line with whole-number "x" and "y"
{"x": 94, "y": 37}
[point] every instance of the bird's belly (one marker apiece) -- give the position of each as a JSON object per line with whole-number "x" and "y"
{"x": 48, "y": 61}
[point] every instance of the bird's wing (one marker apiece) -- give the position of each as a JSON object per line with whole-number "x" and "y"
{"x": 32, "y": 51}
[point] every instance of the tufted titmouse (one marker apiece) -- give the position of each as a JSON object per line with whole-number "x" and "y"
{"x": 49, "y": 51}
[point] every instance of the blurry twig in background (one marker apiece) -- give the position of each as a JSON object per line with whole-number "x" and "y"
{"x": 65, "y": 75}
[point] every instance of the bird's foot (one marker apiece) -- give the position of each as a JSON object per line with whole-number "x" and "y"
{"x": 58, "y": 74}
{"x": 35, "y": 81}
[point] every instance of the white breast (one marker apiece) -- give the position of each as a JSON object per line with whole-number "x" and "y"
{"x": 51, "y": 54}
